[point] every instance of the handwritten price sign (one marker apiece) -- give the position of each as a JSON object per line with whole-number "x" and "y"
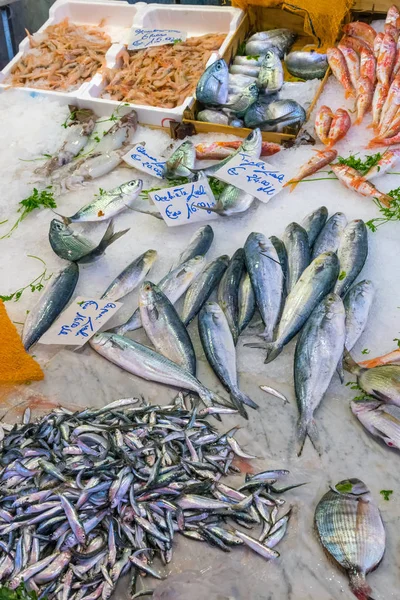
{"x": 80, "y": 321}
{"x": 140, "y": 159}
{"x": 255, "y": 177}
{"x": 180, "y": 204}
{"x": 144, "y": 38}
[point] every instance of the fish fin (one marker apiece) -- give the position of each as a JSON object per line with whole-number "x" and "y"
{"x": 358, "y": 121}
{"x": 359, "y": 586}
{"x": 273, "y": 350}
{"x": 239, "y": 397}
{"x": 269, "y": 390}
{"x": 350, "y": 364}
{"x": 307, "y": 428}
{"x": 386, "y": 199}
{"x": 109, "y": 237}
{"x": 339, "y": 370}
{"x": 349, "y": 94}
{"x": 239, "y": 405}
{"x": 293, "y": 183}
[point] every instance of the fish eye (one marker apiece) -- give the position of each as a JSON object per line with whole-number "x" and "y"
{"x": 218, "y": 66}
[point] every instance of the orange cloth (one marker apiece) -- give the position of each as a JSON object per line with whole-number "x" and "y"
{"x": 16, "y": 365}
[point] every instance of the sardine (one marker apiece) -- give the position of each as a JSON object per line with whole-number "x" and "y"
{"x": 200, "y": 290}
{"x": 164, "y": 328}
{"x": 219, "y": 348}
{"x": 350, "y": 529}
{"x": 357, "y": 304}
{"x": 263, "y": 266}
{"x": 199, "y": 244}
{"x": 131, "y": 276}
{"x": 314, "y": 284}
{"x": 261, "y": 42}
{"x": 212, "y": 87}
{"x": 148, "y": 364}
{"x": 51, "y": 303}
{"x": 306, "y": 64}
{"x": 173, "y": 285}
{"x": 270, "y": 77}
{"x": 77, "y": 248}
{"x": 298, "y": 251}
{"x": 318, "y": 350}
{"x": 108, "y": 204}
{"x": 247, "y": 302}
{"x": 181, "y": 162}
{"x": 329, "y": 237}
{"x": 228, "y": 292}
{"x": 352, "y": 254}
{"x": 376, "y": 417}
{"x": 314, "y": 222}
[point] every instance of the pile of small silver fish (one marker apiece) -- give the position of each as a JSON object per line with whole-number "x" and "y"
{"x": 351, "y": 530}
{"x": 246, "y": 94}
{"x": 90, "y": 496}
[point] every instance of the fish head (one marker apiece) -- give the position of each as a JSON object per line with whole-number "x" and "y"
{"x": 253, "y": 143}
{"x": 271, "y": 58}
{"x": 324, "y": 260}
{"x": 219, "y": 70}
{"x": 214, "y": 310}
{"x": 149, "y": 257}
{"x": 131, "y": 187}
{"x": 251, "y": 91}
{"x": 363, "y": 405}
{"x": 149, "y": 293}
{"x": 59, "y": 228}
{"x": 212, "y": 87}
{"x": 352, "y": 487}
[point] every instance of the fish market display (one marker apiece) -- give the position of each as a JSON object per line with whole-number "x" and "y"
{"x": 221, "y": 150}
{"x": 103, "y": 492}
{"x": 318, "y": 351}
{"x": 51, "y": 303}
{"x": 219, "y": 348}
{"x": 162, "y": 75}
{"x": 306, "y": 64}
{"x": 61, "y": 58}
{"x": 75, "y": 247}
{"x": 351, "y": 530}
{"x": 316, "y": 162}
{"x": 164, "y": 328}
{"x": 108, "y": 204}
{"x": 131, "y": 276}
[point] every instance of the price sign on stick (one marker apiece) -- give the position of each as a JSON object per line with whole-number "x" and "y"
{"x": 188, "y": 203}
{"x": 253, "y": 176}
{"x": 80, "y": 321}
{"x": 140, "y": 38}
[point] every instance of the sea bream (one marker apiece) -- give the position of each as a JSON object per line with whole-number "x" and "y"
{"x": 378, "y": 419}
{"x": 212, "y": 88}
{"x": 306, "y": 64}
{"x": 261, "y": 42}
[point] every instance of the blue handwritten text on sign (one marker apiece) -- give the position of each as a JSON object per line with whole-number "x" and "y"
{"x": 253, "y": 176}
{"x": 139, "y": 158}
{"x": 144, "y": 38}
{"x": 188, "y": 203}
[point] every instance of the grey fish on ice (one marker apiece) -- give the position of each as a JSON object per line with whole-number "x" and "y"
{"x": 248, "y": 70}
{"x": 240, "y": 102}
{"x": 198, "y": 245}
{"x": 314, "y": 284}
{"x": 351, "y": 530}
{"x": 173, "y": 285}
{"x": 276, "y": 115}
{"x": 228, "y": 292}
{"x": 77, "y": 248}
{"x": 298, "y": 252}
{"x": 357, "y": 304}
{"x": 247, "y": 302}
{"x": 108, "y": 204}
{"x": 328, "y": 239}
{"x": 213, "y": 116}
{"x": 164, "y": 328}
{"x": 261, "y": 42}
{"x": 352, "y": 253}
{"x": 148, "y": 364}
{"x": 51, "y": 303}
{"x": 270, "y": 77}
{"x": 219, "y": 348}
{"x": 282, "y": 255}
{"x": 314, "y": 222}
{"x": 237, "y": 82}
{"x": 254, "y": 61}
{"x": 182, "y": 161}
{"x": 232, "y": 201}
{"x": 263, "y": 266}
{"x": 306, "y": 64}
{"x": 131, "y": 276}
{"x": 201, "y": 289}
{"x": 212, "y": 88}
{"x": 318, "y": 350}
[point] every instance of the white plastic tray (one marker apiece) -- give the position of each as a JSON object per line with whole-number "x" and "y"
{"x": 119, "y": 17}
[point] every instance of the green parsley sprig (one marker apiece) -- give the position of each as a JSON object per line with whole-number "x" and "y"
{"x": 43, "y": 199}
{"x": 35, "y": 286}
{"x": 20, "y": 593}
{"x": 389, "y": 213}
{"x": 360, "y": 165}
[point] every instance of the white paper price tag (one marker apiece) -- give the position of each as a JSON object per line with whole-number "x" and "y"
{"x": 80, "y": 321}
{"x": 253, "y": 176}
{"x": 180, "y": 204}
{"x": 144, "y": 38}
{"x": 140, "y": 159}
